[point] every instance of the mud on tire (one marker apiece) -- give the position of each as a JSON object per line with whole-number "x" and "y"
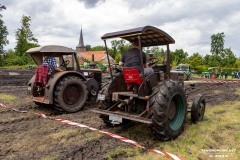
{"x": 169, "y": 108}
{"x": 70, "y": 94}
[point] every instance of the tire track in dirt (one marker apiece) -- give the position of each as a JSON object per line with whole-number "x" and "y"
{"x": 95, "y": 149}
{"x": 215, "y": 93}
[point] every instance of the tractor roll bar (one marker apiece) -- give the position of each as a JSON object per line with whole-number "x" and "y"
{"x": 108, "y": 59}
{"x": 147, "y": 36}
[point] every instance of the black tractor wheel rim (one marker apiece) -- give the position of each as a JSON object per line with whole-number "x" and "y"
{"x": 72, "y": 94}
{"x": 201, "y": 110}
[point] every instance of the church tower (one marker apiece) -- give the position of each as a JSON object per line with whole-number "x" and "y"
{"x": 80, "y": 47}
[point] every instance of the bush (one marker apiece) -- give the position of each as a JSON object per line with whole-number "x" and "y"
{"x": 200, "y": 69}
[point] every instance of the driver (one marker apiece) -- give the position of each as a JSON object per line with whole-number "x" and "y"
{"x": 51, "y": 62}
{"x": 132, "y": 59}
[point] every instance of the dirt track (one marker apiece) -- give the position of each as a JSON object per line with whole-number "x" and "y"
{"x": 26, "y": 136}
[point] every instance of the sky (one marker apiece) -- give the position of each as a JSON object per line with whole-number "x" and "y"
{"x": 189, "y": 22}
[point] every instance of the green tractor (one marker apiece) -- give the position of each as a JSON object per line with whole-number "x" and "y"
{"x": 99, "y": 65}
{"x": 185, "y": 69}
{"x": 211, "y": 73}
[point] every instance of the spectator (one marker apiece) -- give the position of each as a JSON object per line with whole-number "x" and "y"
{"x": 131, "y": 58}
{"x": 221, "y": 74}
{"x": 50, "y": 61}
{"x": 226, "y": 74}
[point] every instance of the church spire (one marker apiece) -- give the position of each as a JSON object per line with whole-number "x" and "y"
{"x": 80, "y": 47}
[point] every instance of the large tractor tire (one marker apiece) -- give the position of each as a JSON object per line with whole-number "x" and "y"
{"x": 169, "y": 108}
{"x": 70, "y": 94}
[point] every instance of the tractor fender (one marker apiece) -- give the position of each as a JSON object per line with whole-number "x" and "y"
{"x": 55, "y": 79}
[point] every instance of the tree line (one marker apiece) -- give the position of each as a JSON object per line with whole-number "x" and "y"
{"x": 25, "y": 40}
{"x": 218, "y": 57}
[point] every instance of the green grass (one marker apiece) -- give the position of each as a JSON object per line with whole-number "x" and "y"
{"x": 120, "y": 151}
{"x": 18, "y": 67}
{"x": 220, "y": 129}
{"x": 7, "y": 97}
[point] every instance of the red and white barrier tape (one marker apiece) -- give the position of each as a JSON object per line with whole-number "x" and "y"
{"x": 169, "y": 155}
{"x": 215, "y": 82}
{"x": 2, "y": 106}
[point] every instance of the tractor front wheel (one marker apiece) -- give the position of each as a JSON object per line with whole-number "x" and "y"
{"x": 168, "y": 107}
{"x": 198, "y": 108}
{"x": 70, "y": 94}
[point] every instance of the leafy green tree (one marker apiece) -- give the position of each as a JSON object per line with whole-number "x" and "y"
{"x": 217, "y": 49}
{"x": 3, "y": 32}
{"x": 179, "y": 56}
{"x": 221, "y": 56}
{"x": 88, "y": 47}
{"x": 206, "y": 59}
{"x": 217, "y": 43}
{"x": 157, "y": 52}
{"x": 2, "y": 7}
{"x": 11, "y": 59}
{"x": 237, "y": 63}
{"x": 118, "y": 57}
{"x": 119, "y": 47}
{"x": 25, "y": 38}
{"x": 195, "y": 60}
{"x": 174, "y": 63}
{"x": 215, "y": 61}
{"x": 229, "y": 58}
{"x": 98, "y": 48}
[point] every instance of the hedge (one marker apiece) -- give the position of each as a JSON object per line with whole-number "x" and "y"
{"x": 200, "y": 69}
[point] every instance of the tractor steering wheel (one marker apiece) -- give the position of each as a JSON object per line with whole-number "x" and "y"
{"x": 152, "y": 61}
{"x": 64, "y": 63}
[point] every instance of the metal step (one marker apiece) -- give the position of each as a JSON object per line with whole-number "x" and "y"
{"x": 123, "y": 115}
{"x": 130, "y": 94}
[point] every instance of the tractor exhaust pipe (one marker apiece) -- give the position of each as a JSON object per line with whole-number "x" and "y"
{"x": 93, "y": 63}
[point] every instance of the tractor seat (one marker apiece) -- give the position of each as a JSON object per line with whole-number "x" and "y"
{"x": 131, "y": 76}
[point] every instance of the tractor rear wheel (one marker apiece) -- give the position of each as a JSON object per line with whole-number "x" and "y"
{"x": 70, "y": 94}
{"x": 168, "y": 107}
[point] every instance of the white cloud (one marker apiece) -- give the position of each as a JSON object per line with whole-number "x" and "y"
{"x": 190, "y": 23}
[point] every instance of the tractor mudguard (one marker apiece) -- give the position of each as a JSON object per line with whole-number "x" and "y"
{"x": 48, "y": 92}
{"x": 151, "y": 81}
